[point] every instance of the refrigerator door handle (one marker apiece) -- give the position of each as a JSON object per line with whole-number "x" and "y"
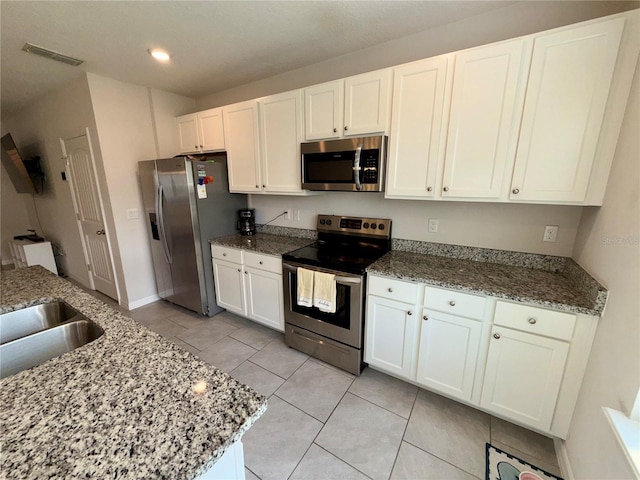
{"x": 159, "y": 209}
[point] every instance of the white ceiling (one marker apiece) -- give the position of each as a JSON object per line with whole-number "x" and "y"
{"x": 215, "y": 44}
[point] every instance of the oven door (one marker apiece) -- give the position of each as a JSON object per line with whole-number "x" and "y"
{"x": 345, "y": 325}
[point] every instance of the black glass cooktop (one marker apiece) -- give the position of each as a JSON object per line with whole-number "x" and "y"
{"x": 336, "y": 257}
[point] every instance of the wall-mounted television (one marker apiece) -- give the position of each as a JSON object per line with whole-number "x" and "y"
{"x": 25, "y": 173}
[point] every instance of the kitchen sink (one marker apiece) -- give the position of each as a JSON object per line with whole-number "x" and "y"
{"x": 17, "y": 324}
{"x": 31, "y": 350}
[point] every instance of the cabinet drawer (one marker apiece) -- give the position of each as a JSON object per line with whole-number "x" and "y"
{"x": 535, "y": 320}
{"x": 263, "y": 262}
{"x": 225, "y": 253}
{"x": 399, "y": 290}
{"x": 454, "y": 302}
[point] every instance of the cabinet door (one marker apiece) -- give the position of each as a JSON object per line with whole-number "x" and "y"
{"x": 486, "y": 105}
{"x": 211, "y": 129}
{"x": 243, "y": 150}
{"x": 569, "y": 82}
{"x": 229, "y": 283}
{"x": 188, "y": 133}
{"x": 323, "y": 110}
{"x": 366, "y": 103}
{"x": 448, "y": 353}
{"x": 416, "y": 144}
{"x": 390, "y": 336}
{"x": 281, "y": 134}
{"x": 265, "y": 298}
{"x": 523, "y": 376}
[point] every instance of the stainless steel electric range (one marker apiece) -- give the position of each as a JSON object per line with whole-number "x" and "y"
{"x": 346, "y": 246}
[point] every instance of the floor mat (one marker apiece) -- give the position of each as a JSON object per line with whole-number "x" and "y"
{"x": 504, "y": 466}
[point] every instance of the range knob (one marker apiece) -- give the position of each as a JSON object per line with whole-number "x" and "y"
{"x": 381, "y": 226}
{"x": 365, "y": 225}
{"x": 373, "y": 226}
{"x": 322, "y": 222}
{"x": 328, "y": 221}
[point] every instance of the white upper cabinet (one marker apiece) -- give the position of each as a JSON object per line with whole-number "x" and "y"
{"x": 357, "y": 105}
{"x": 280, "y": 137}
{"x": 201, "y": 132}
{"x": 486, "y": 104}
{"x": 416, "y": 145}
{"x": 569, "y": 84}
{"x": 243, "y": 147}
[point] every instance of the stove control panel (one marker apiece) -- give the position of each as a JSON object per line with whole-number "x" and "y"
{"x": 380, "y": 227}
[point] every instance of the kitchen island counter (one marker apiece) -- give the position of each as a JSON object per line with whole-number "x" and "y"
{"x": 262, "y": 243}
{"x": 121, "y": 406}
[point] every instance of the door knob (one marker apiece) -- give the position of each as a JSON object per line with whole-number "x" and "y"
{"x": 100, "y": 232}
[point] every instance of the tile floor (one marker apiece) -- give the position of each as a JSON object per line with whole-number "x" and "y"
{"x": 323, "y": 423}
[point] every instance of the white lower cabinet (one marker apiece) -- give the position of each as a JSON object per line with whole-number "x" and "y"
{"x": 523, "y": 376}
{"x": 390, "y": 334}
{"x": 519, "y": 362}
{"x": 448, "y": 353}
{"x": 249, "y": 284}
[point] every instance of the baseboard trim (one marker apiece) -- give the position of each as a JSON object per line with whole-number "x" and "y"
{"x": 7, "y": 262}
{"x": 562, "y": 454}
{"x": 142, "y": 302}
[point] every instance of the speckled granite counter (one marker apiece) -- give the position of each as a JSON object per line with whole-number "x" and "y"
{"x": 564, "y": 290}
{"x": 262, "y": 243}
{"x": 122, "y": 406}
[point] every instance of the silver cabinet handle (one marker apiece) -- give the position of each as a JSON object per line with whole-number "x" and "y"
{"x": 425, "y": 317}
{"x": 245, "y": 272}
{"x": 238, "y": 269}
{"x": 429, "y": 189}
{"x": 260, "y": 262}
{"x": 346, "y": 128}
{"x": 390, "y": 289}
{"x": 201, "y": 146}
{"x": 263, "y": 186}
{"x": 257, "y": 186}
{"x": 452, "y": 303}
{"x": 409, "y": 312}
{"x": 515, "y": 191}
{"x": 496, "y": 336}
{"x": 335, "y": 130}
{"x": 224, "y": 254}
{"x": 532, "y": 321}
{"x": 195, "y": 146}
{"x": 446, "y": 189}
{"x": 100, "y": 232}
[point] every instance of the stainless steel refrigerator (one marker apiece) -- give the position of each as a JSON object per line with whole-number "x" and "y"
{"x": 187, "y": 202}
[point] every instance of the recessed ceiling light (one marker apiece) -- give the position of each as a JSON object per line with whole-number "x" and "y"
{"x": 159, "y": 54}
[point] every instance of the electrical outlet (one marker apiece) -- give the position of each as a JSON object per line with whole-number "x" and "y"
{"x": 132, "y": 214}
{"x": 550, "y": 233}
{"x": 433, "y": 225}
{"x": 287, "y": 215}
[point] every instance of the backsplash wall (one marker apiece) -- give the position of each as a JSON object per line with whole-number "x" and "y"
{"x": 515, "y": 227}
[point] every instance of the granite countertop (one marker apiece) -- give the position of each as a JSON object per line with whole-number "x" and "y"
{"x": 122, "y": 406}
{"x": 575, "y": 292}
{"x": 262, "y": 243}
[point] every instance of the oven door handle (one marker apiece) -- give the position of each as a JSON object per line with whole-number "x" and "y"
{"x": 339, "y": 279}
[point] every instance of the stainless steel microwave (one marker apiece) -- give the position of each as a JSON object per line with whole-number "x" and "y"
{"x": 347, "y": 165}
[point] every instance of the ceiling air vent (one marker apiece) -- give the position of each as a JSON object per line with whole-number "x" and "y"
{"x": 43, "y": 52}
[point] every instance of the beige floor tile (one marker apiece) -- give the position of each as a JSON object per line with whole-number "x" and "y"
{"x": 184, "y": 345}
{"x": 226, "y": 354}
{"x": 413, "y": 464}
{"x": 248, "y": 475}
{"x": 315, "y": 389}
{"x": 318, "y": 464}
{"x": 275, "y": 444}
{"x": 207, "y": 334}
{"x": 385, "y": 391}
{"x": 364, "y": 435}
{"x": 235, "y": 320}
{"x": 537, "y": 446}
{"x": 449, "y": 430}
{"x": 165, "y": 327}
{"x": 279, "y": 359}
{"x": 255, "y": 336}
{"x": 257, "y": 378}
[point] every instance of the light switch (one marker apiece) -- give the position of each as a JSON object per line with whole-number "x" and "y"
{"x": 132, "y": 214}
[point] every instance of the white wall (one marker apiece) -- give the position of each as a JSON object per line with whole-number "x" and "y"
{"x": 14, "y": 217}
{"x": 500, "y": 226}
{"x": 166, "y": 106}
{"x": 511, "y": 21}
{"x": 64, "y": 113}
{"x": 608, "y": 247}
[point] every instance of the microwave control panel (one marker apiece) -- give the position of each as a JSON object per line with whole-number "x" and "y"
{"x": 369, "y": 166}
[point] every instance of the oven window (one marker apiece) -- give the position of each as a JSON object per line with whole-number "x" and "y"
{"x": 343, "y": 306}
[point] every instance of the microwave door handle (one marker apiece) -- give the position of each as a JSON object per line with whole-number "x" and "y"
{"x": 356, "y": 167}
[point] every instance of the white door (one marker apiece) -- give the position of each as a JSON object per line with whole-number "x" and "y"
{"x": 243, "y": 148}
{"x": 366, "y": 103}
{"x": 281, "y": 134}
{"x": 523, "y": 376}
{"x": 188, "y": 133}
{"x": 211, "y": 130}
{"x": 89, "y": 212}
{"x": 323, "y": 110}
{"x": 229, "y": 285}
{"x": 448, "y": 353}
{"x": 486, "y": 104}
{"x": 265, "y": 297}
{"x": 416, "y": 145}
{"x": 569, "y": 81}
{"x": 390, "y": 335}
